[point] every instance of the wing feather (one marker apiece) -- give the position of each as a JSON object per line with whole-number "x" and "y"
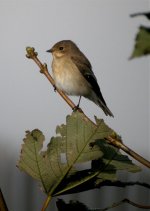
{"x": 85, "y": 69}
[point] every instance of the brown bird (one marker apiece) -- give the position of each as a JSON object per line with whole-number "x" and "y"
{"x": 72, "y": 73}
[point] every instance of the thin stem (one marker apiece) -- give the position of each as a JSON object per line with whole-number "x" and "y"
{"x": 122, "y": 202}
{"x": 117, "y": 143}
{"x": 128, "y": 151}
{"x": 46, "y": 203}
{"x": 3, "y": 206}
{"x": 121, "y": 184}
{"x": 43, "y": 69}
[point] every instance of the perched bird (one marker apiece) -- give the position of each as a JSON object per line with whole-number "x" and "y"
{"x": 72, "y": 73}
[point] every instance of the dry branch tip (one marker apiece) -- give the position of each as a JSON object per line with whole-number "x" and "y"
{"x": 31, "y": 52}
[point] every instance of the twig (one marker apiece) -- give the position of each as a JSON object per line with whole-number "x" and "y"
{"x": 46, "y": 203}
{"x": 3, "y": 206}
{"x": 122, "y": 202}
{"x": 128, "y": 151}
{"x": 31, "y": 54}
{"x": 121, "y": 184}
{"x": 76, "y": 205}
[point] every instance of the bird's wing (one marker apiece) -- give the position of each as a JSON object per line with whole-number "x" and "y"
{"x": 85, "y": 69}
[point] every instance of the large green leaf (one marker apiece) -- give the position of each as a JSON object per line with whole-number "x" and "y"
{"x": 59, "y": 168}
{"x": 142, "y": 43}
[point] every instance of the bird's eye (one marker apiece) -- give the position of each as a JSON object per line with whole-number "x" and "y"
{"x": 61, "y": 48}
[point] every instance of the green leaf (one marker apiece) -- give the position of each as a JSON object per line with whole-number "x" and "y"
{"x": 78, "y": 142}
{"x": 142, "y": 43}
{"x": 108, "y": 173}
{"x": 72, "y": 142}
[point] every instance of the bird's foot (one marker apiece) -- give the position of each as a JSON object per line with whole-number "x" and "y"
{"x": 76, "y": 108}
{"x": 54, "y": 88}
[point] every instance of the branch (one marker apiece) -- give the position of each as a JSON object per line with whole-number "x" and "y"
{"x": 121, "y": 184}
{"x": 129, "y": 151}
{"x": 3, "y": 206}
{"x": 31, "y": 54}
{"x": 122, "y": 202}
{"x": 76, "y": 205}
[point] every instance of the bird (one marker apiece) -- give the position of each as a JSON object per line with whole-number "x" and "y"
{"x": 73, "y": 74}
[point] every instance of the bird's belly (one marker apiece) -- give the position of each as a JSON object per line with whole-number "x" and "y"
{"x": 71, "y": 82}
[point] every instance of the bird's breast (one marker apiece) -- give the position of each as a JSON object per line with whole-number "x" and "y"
{"x": 68, "y": 78}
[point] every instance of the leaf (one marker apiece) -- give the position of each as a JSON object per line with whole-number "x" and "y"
{"x": 142, "y": 43}
{"x": 72, "y": 140}
{"x": 79, "y": 141}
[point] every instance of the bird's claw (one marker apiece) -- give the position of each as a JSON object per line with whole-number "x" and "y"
{"x": 76, "y": 108}
{"x": 54, "y": 88}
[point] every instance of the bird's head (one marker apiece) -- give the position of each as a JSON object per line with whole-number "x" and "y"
{"x": 63, "y": 48}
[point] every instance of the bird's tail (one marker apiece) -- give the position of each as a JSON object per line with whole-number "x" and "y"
{"x": 104, "y": 108}
{"x": 99, "y": 100}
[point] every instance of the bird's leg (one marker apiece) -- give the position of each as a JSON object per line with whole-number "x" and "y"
{"x": 78, "y": 102}
{"x": 77, "y": 106}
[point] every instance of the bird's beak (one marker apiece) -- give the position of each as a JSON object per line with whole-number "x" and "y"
{"x": 50, "y": 50}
